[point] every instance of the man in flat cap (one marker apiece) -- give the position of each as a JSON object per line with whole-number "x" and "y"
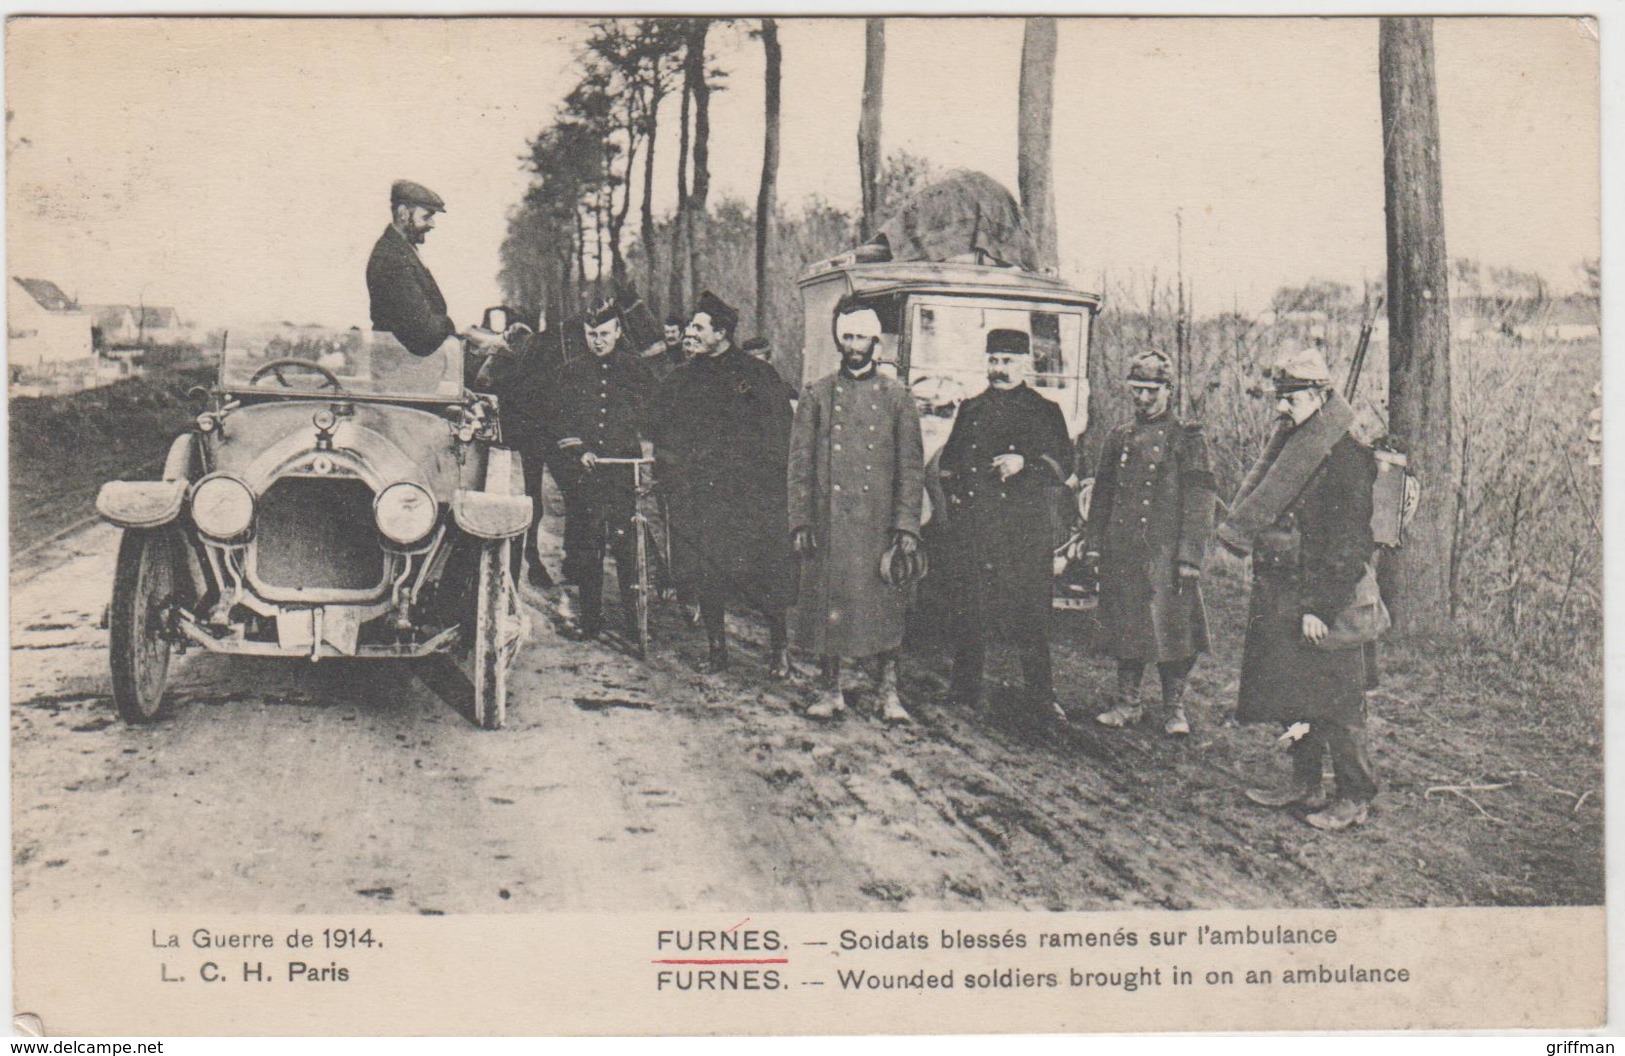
{"x": 1149, "y": 522}
{"x": 857, "y": 476}
{"x": 1303, "y": 513}
{"x": 406, "y": 301}
{"x": 603, "y": 403}
{"x": 1009, "y": 446}
{"x": 722, "y": 444}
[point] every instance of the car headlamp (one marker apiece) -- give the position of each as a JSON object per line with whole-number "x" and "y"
{"x": 405, "y": 513}
{"x": 222, "y": 506}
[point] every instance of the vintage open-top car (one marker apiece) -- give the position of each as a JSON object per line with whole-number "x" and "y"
{"x": 336, "y": 497}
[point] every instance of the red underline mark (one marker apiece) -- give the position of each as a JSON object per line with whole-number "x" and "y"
{"x": 736, "y": 926}
{"x": 755, "y": 960}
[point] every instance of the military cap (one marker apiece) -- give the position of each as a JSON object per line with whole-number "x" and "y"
{"x": 1008, "y": 343}
{"x": 1303, "y": 369}
{"x": 756, "y": 344}
{"x": 723, "y": 316}
{"x": 1150, "y": 369}
{"x": 603, "y": 310}
{"x": 405, "y": 192}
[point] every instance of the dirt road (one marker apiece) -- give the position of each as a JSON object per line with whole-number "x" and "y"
{"x": 623, "y": 785}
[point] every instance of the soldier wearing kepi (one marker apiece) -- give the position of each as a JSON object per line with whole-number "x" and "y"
{"x": 1304, "y": 514}
{"x": 1008, "y": 447}
{"x": 722, "y": 442}
{"x": 857, "y": 476}
{"x": 1149, "y": 523}
{"x": 603, "y": 401}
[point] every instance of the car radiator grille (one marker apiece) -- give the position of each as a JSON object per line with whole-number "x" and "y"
{"x": 318, "y": 535}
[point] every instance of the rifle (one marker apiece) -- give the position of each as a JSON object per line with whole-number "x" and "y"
{"x": 1352, "y": 382}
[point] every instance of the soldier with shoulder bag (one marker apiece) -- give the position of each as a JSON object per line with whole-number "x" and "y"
{"x": 1304, "y": 514}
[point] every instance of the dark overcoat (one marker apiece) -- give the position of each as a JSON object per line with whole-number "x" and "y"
{"x": 857, "y": 474}
{"x": 526, "y": 387}
{"x": 1152, "y": 509}
{"x": 999, "y": 545}
{"x": 406, "y": 301}
{"x": 722, "y": 449}
{"x": 1309, "y": 560}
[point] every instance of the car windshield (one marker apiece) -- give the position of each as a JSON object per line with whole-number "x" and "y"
{"x": 309, "y": 359}
{"x": 948, "y": 351}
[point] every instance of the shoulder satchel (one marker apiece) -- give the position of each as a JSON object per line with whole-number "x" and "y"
{"x": 1363, "y": 620}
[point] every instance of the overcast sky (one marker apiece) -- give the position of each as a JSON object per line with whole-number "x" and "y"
{"x": 239, "y": 169}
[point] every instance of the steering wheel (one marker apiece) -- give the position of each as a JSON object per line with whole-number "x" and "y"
{"x": 276, "y": 367}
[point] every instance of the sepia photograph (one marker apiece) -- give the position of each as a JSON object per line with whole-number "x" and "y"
{"x": 973, "y": 469}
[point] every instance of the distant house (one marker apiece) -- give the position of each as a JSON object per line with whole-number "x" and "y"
{"x": 44, "y": 327}
{"x": 159, "y": 326}
{"x": 116, "y": 325}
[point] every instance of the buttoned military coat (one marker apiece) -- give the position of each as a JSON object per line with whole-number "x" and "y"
{"x": 999, "y": 538}
{"x": 1310, "y": 561}
{"x": 722, "y": 450}
{"x": 405, "y": 299}
{"x": 1152, "y": 509}
{"x": 857, "y": 474}
{"x": 602, "y": 405}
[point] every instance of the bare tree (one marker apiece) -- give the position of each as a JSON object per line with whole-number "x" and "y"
{"x": 1418, "y": 312}
{"x": 700, "y": 188}
{"x": 681, "y": 279}
{"x": 1034, "y": 124}
{"x": 874, "y": 77}
{"x": 766, "y": 204}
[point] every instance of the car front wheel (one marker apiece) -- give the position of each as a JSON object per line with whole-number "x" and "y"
{"x": 143, "y": 588}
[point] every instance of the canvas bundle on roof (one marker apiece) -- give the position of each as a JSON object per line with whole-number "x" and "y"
{"x": 965, "y": 216}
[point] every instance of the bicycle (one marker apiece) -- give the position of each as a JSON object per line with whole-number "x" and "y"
{"x": 641, "y": 526}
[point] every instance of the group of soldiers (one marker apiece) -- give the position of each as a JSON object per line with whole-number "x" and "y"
{"x": 807, "y": 508}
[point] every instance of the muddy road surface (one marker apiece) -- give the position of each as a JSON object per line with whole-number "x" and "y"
{"x": 618, "y": 784}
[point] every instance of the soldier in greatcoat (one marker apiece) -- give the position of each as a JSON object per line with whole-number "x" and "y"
{"x": 857, "y": 477}
{"x": 1008, "y": 447}
{"x": 1149, "y": 521}
{"x": 722, "y": 449}
{"x": 1303, "y": 513}
{"x": 603, "y": 406}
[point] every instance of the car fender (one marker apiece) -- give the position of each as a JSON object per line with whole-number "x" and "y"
{"x": 140, "y": 503}
{"x": 502, "y": 510}
{"x": 491, "y": 516}
{"x": 181, "y": 463}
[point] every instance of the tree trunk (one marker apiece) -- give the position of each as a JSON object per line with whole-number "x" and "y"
{"x": 646, "y": 212}
{"x": 694, "y": 215}
{"x": 1034, "y": 123}
{"x": 682, "y": 295}
{"x": 766, "y": 197}
{"x": 1418, "y": 315}
{"x": 874, "y": 77}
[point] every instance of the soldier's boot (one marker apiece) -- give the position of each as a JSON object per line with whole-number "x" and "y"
{"x": 1342, "y": 814}
{"x": 778, "y": 663}
{"x": 1127, "y": 710}
{"x": 1174, "y": 724}
{"x": 590, "y": 611}
{"x": 1122, "y": 714}
{"x": 716, "y": 653}
{"x": 1298, "y": 792}
{"x": 829, "y": 705}
{"x": 891, "y": 707}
